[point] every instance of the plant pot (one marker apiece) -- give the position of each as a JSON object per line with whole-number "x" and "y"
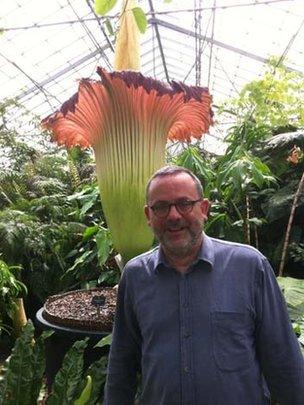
{"x": 74, "y": 316}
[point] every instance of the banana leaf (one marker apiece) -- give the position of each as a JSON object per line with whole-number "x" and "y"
{"x": 293, "y": 291}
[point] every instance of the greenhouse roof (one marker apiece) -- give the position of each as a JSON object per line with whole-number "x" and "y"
{"x": 45, "y": 47}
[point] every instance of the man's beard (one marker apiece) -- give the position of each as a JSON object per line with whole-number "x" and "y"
{"x": 191, "y": 240}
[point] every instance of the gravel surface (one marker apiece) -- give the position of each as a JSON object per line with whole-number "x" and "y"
{"x": 75, "y": 309}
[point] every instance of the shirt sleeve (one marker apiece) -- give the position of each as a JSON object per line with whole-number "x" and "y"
{"x": 124, "y": 357}
{"x": 277, "y": 346}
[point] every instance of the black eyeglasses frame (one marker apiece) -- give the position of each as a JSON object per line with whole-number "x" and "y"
{"x": 189, "y": 204}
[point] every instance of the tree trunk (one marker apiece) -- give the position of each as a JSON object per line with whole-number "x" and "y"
{"x": 247, "y": 220}
{"x": 256, "y": 236}
{"x": 290, "y": 221}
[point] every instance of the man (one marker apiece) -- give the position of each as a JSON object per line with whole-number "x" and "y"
{"x": 202, "y": 320}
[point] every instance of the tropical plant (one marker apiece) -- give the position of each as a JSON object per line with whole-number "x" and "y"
{"x": 271, "y": 102}
{"x": 127, "y": 119}
{"x": 295, "y": 156}
{"x": 283, "y": 153}
{"x": 102, "y": 7}
{"x": 199, "y": 162}
{"x": 11, "y": 292}
{"x": 293, "y": 290}
{"x": 266, "y": 107}
{"x": 23, "y": 382}
{"x": 296, "y": 251}
{"x": 47, "y": 207}
{"x": 24, "y": 372}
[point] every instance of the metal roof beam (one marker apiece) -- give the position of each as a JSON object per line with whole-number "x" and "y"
{"x": 63, "y": 71}
{"x": 157, "y": 21}
{"x": 153, "y": 21}
{"x": 100, "y": 26}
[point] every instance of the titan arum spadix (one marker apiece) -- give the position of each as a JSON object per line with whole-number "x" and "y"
{"x": 127, "y": 119}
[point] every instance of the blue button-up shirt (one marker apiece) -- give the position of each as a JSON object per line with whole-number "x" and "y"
{"x": 216, "y": 335}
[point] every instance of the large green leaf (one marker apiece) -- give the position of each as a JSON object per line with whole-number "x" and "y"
{"x": 86, "y": 393}
{"x": 104, "y": 245}
{"x": 69, "y": 376}
{"x": 140, "y": 19}
{"x": 105, "y": 341}
{"x": 79, "y": 262}
{"x": 102, "y": 7}
{"x": 38, "y": 366}
{"x": 23, "y": 375}
{"x": 98, "y": 372}
{"x": 293, "y": 291}
{"x": 17, "y": 384}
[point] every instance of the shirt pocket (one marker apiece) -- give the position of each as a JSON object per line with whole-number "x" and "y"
{"x": 232, "y": 340}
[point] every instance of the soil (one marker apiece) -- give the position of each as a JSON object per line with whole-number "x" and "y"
{"x": 84, "y": 309}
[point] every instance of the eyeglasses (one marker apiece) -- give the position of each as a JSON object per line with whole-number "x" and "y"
{"x": 162, "y": 209}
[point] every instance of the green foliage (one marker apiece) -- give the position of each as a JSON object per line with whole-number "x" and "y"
{"x": 227, "y": 182}
{"x": 10, "y": 288}
{"x": 255, "y": 183}
{"x": 140, "y": 19}
{"x": 192, "y": 158}
{"x": 98, "y": 372}
{"x": 86, "y": 393}
{"x": 51, "y": 166}
{"x": 273, "y": 101}
{"x": 293, "y": 291}
{"x": 23, "y": 374}
{"x": 69, "y": 376}
{"x": 296, "y": 251}
{"x": 241, "y": 173}
{"x": 279, "y": 204}
{"x": 105, "y": 341}
{"x": 49, "y": 203}
{"x": 38, "y": 366}
{"x": 104, "y": 245}
{"x": 23, "y": 377}
{"x": 42, "y": 229}
{"x": 102, "y": 7}
{"x": 19, "y": 233}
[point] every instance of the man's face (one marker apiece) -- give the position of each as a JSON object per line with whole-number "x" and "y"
{"x": 179, "y": 234}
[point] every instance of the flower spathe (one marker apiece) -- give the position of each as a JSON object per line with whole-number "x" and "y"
{"x": 127, "y": 119}
{"x": 127, "y": 49}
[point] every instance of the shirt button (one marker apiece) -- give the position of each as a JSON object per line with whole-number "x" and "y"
{"x": 185, "y": 304}
{"x": 187, "y": 334}
{"x": 186, "y": 369}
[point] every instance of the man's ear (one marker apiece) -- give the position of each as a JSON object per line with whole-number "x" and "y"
{"x": 147, "y": 214}
{"x": 205, "y": 205}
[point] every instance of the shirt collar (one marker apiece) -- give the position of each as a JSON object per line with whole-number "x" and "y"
{"x": 205, "y": 254}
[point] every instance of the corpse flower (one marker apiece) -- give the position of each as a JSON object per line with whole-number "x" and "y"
{"x": 127, "y": 119}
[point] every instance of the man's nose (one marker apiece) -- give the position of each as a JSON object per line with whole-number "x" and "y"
{"x": 173, "y": 212}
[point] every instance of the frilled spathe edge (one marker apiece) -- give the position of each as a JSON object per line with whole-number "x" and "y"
{"x": 83, "y": 118}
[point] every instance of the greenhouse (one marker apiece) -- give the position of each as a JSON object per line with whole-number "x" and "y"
{"x": 152, "y": 202}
